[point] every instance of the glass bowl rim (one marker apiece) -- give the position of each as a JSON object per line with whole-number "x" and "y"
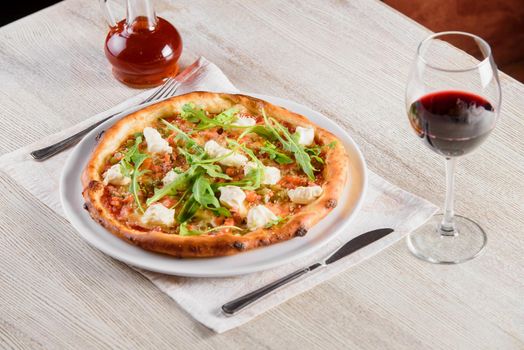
{"x": 436, "y": 35}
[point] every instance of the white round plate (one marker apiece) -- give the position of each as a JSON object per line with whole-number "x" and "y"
{"x": 251, "y": 261}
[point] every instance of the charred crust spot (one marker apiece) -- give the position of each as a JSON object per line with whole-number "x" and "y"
{"x": 131, "y": 239}
{"x": 332, "y": 203}
{"x": 301, "y": 231}
{"x": 94, "y": 185}
{"x": 86, "y": 207}
{"x": 264, "y": 241}
{"x": 193, "y": 249}
{"x": 99, "y": 135}
{"x": 239, "y": 245}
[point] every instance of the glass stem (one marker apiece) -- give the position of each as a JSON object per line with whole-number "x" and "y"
{"x": 447, "y": 226}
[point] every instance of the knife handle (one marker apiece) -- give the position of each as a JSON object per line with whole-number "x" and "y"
{"x": 238, "y": 304}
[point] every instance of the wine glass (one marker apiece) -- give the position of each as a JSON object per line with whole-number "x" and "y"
{"x": 453, "y": 103}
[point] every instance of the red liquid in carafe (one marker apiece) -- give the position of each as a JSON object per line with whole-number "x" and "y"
{"x": 142, "y": 54}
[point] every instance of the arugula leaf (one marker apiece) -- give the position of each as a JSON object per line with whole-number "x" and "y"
{"x": 277, "y": 221}
{"x": 221, "y": 211}
{"x": 185, "y": 179}
{"x": 314, "y": 153}
{"x": 190, "y": 157}
{"x": 253, "y": 179}
{"x": 191, "y": 113}
{"x": 200, "y": 159}
{"x": 184, "y": 231}
{"x": 214, "y": 170}
{"x": 260, "y": 130}
{"x": 130, "y": 165}
{"x": 203, "y": 193}
{"x": 332, "y": 144}
{"x": 188, "y": 210}
{"x": 202, "y": 196}
{"x": 181, "y": 182}
{"x": 198, "y": 116}
{"x": 180, "y": 199}
{"x": 272, "y": 151}
{"x": 184, "y": 136}
{"x": 226, "y": 117}
{"x": 134, "y": 187}
{"x": 291, "y": 144}
{"x": 126, "y": 165}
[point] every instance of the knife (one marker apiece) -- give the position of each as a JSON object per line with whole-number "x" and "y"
{"x": 351, "y": 246}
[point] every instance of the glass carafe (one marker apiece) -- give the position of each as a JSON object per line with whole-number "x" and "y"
{"x": 143, "y": 48}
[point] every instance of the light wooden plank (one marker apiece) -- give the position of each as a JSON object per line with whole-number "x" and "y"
{"x": 347, "y": 59}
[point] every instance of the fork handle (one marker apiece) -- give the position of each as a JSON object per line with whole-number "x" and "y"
{"x": 49, "y": 151}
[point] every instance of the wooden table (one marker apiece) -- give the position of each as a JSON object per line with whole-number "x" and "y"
{"x": 347, "y": 59}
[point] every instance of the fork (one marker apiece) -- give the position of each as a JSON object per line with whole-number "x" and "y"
{"x": 168, "y": 89}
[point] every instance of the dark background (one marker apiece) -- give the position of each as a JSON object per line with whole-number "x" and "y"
{"x": 11, "y": 10}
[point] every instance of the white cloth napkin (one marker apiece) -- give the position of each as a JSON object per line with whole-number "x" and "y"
{"x": 385, "y": 205}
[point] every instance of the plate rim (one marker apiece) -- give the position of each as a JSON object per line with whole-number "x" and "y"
{"x": 237, "y": 270}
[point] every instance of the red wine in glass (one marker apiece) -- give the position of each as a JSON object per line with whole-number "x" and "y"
{"x": 452, "y": 123}
{"x": 453, "y": 103}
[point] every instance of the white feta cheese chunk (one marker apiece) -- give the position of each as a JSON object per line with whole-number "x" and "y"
{"x": 232, "y": 197}
{"x": 271, "y": 174}
{"x": 244, "y": 121}
{"x": 259, "y": 216}
{"x": 306, "y": 136}
{"x": 157, "y": 214}
{"x": 169, "y": 177}
{"x": 155, "y": 142}
{"x": 304, "y": 195}
{"x": 214, "y": 150}
{"x": 234, "y": 160}
{"x": 114, "y": 176}
{"x": 249, "y": 166}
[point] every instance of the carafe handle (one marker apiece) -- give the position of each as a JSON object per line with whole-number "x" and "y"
{"x": 104, "y": 5}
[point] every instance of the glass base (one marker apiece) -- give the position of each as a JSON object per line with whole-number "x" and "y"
{"x": 431, "y": 244}
{"x": 144, "y": 81}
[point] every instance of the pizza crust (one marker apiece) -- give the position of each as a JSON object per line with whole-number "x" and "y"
{"x": 335, "y": 175}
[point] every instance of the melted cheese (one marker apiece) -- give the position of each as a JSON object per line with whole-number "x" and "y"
{"x": 271, "y": 174}
{"x": 259, "y": 216}
{"x": 157, "y": 214}
{"x": 169, "y": 177}
{"x": 306, "y": 136}
{"x": 155, "y": 142}
{"x": 232, "y": 197}
{"x": 214, "y": 150}
{"x": 304, "y": 195}
{"x": 245, "y": 121}
{"x": 114, "y": 176}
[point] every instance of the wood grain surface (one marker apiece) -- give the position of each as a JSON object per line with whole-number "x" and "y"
{"x": 346, "y": 59}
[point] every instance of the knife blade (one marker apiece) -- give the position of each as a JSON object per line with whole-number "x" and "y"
{"x": 349, "y": 247}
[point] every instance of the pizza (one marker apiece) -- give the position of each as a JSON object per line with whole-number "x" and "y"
{"x": 212, "y": 174}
